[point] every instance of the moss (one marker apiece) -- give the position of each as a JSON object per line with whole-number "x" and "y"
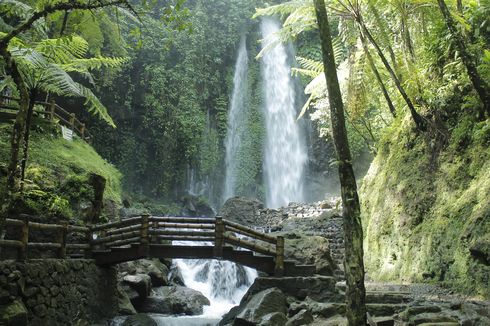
{"x": 421, "y": 215}
{"x": 57, "y": 175}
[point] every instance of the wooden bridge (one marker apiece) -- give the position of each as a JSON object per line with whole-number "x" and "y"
{"x": 155, "y": 237}
{"x": 49, "y": 111}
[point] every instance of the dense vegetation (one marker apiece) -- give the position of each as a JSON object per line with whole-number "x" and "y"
{"x": 415, "y": 80}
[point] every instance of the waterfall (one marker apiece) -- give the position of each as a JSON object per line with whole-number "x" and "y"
{"x": 224, "y": 283}
{"x": 237, "y": 117}
{"x": 285, "y": 153}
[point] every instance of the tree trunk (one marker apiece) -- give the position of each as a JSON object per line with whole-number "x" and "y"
{"x": 30, "y": 111}
{"x": 353, "y": 263}
{"x": 459, "y": 5}
{"x": 13, "y": 184}
{"x": 378, "y": 77}
{"x": 417, "y": 118}
{"x": 479, "y": 84}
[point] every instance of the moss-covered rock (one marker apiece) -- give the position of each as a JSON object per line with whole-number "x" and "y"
{"x": 13, "y": 314}
{"x": 426, "y": 207}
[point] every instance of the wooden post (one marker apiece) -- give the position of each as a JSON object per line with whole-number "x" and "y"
{"x": 82, "y": 131}
{"x": 144, "y": 239}
{"x": 51, "y": 110}
{"x": 89, "y": 239}
{"x": 279, "y": 268}
{"x": 219, "y": 230}
{"x": 62, "y": 240}
{"x": 24, "y": 238}
{"x": 103, "y": 234}
{"x": 72, "y": 121}
{"x": 154, "y": 238}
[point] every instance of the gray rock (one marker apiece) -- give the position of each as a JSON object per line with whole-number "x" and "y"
{"x": 273, "y": 319}
{"x": 139, "y": 320}
{"x": 245, "y": 211}
{"x": 318, "y": 288}
{"x": 261, "y": 304}
{"x": 303, "y": 317}
{"x": 175, "y": 277}
{"x": 124, "y": 303}
{"x": 141, "y": 283}
{"x": 154, "y": 268}
{"x": 174, "y": 300}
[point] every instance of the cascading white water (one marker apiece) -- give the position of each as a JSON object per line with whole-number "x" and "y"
{"x": 224, "y": 283}
{"x": 236, "y": 119}
{"x": 285, "y": 153}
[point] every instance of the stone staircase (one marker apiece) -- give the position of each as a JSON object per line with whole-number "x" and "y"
{"x": 335, "y": 235}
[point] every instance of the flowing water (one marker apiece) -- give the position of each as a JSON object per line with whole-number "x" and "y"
{"x": 285, "y": 153}
{"x": 237, "y": 116}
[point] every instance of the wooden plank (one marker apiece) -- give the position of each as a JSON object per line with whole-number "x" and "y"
{"x": 124, "y": 242}
{"x": 45, "y": 227}
{"x": 250, "y": 232}
{"x": 116, "y": 237}
{"x": 123, "y": 230}
{"x": 248, "y": 245}
{"x": 184, "y": 238}
{"x": 182, "y": 219}
{"x": 13, "y": 222}
{"x": 182, "y": 233}
{"x": 10, "y": 243}
{"x": 184, "y": 225}
{"x": 117, "y": 224}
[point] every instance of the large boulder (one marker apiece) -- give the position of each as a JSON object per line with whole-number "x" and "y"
{"x": 174, "y": 300}
{"x": 309, "y": 250}
{"x": 154, "y": 268}
{"x": 140, "y": 283}
{"x": 261, "y": 304}
{"x": 125, "y": 307}
{"x": 245, "y": 211}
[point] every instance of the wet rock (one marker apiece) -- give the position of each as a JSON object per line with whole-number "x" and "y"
{"x": 316, "y": 287}
{"x": 174, "y": 300}
{"x": 139, "y": 320}
{"x": 154, "y": 268}
{"x": 175, "y": 277}
{"x": 141, "y": 283}
{"x": 261, "y": 304}
{"x": 303, "y": 317}
{"x": 196, "y": 206}
{"x": 124, "y": 303}
{"x": 273, "y": 319}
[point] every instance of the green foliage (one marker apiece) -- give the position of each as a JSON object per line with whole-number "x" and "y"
{"x": 57, "y": 177}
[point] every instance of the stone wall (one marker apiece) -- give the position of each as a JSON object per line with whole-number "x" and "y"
{"x": 56, "y": 292}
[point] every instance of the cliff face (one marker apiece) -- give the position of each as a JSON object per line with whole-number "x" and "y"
{"x": 426, "y": 206}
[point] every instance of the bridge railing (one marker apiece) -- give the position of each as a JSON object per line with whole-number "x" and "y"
{"x": 51, "y": 111}
{"x": 145, "y": 230}
{"x": 60, "y": 238}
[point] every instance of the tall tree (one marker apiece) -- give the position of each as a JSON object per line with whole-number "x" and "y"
{"x": 353, "y": 237}
{"x": 479, "y": 84}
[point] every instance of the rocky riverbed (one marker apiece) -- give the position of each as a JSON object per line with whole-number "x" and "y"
{"x": 313, "y": 235}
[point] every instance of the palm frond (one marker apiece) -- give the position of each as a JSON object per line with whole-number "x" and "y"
{"x": 95, "y": 106}
{"x": 63, "y": 50}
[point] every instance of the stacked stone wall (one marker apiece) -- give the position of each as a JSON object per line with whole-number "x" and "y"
{"x": 56, "y": 292}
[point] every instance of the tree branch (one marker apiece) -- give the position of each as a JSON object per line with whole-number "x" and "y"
{"x": 60, "y": 7}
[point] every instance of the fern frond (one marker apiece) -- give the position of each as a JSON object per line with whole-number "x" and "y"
{"x": 95, "y": 106}
{"x": 282, "y": 9}
{"x": 63, "y": 50}
{"x": 87, "y": 64}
